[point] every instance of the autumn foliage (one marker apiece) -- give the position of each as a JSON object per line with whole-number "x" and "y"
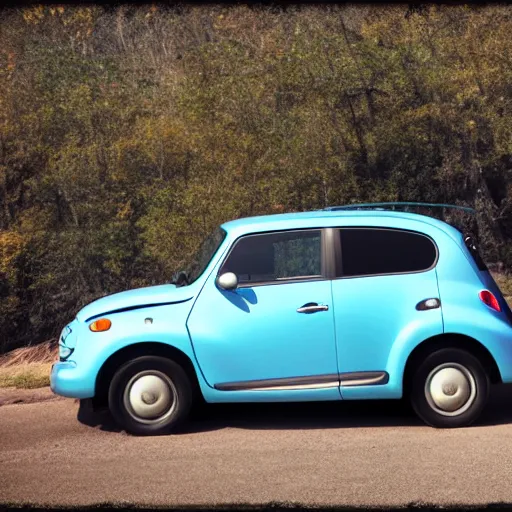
{"x": 127, "y": 133}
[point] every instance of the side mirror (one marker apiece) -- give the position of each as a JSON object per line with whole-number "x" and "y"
{"x": 227, "y": 281}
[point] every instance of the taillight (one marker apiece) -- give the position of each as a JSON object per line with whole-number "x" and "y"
{"x": 490, "y": 300}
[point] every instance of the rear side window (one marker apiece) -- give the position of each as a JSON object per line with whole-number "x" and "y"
{"x": 371, "y": 251}
{"x": 276, "y": 257}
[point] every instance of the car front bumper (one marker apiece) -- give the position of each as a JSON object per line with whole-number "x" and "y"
{"x": 67, "y": 380}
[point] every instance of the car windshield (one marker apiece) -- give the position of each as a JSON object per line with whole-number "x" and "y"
{"x": 204, "y": 255}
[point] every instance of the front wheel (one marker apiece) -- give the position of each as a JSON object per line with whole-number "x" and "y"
{"x": 150, "y": 395}
{"x": 449, "y": 389}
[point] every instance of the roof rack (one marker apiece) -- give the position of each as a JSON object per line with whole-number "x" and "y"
{"x": 392, "y": 206}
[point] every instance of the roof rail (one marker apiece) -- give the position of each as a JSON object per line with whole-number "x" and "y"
{"x": 392, "y": 206}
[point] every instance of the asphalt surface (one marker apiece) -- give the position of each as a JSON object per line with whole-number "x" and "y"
{"x": 361, "y": 453}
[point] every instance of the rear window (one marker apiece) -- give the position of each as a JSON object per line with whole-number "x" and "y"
{"x": 475, "y": 253}
{"x": 373, "y": 251}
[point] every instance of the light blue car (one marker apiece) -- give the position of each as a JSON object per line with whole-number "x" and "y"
{"x": 347, "y": 303}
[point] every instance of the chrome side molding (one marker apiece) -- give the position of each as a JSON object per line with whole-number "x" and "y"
{"x": 311, "y": 382}
{"x": 363, "y": 379}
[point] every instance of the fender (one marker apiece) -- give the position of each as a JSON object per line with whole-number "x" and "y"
{"x": 407, "y": 340}
{"x": 487, "y": 327}
{"x": 161, "y": 324}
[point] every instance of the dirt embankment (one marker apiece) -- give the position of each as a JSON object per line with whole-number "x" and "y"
{"x": 41, "y": 353}
{"x": 25, "y": 374}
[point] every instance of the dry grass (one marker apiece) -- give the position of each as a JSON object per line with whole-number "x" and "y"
{"x": 28, "y": 367}
{"x": 504, "y": 281}
{"x": 27, "y": 376}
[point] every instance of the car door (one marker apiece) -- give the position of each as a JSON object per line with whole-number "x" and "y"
{"x": 275, "y": 330}
{"x": 385, "y": 277}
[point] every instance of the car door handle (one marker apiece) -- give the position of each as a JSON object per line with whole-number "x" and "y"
{"x": 312, "y": 307}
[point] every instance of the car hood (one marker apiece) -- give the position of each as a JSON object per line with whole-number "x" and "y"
{"x": 134, "y": 299}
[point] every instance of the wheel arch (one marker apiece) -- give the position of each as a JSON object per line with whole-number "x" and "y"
{"x": 452, "y": 340}
{"x": 125, "y": 354}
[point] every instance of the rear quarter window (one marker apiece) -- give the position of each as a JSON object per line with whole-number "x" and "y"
{"x": 475, "y": 253}
{"x": 378, "y": 251}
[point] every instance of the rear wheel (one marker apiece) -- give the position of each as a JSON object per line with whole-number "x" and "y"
{"x": 449, "y": 388}
{"x": 150, "y": 395}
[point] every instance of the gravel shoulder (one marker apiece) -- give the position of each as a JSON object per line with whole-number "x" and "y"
{"x": 12, "y": 395}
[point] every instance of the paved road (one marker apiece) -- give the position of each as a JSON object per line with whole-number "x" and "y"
{"x": 354, "y": 454}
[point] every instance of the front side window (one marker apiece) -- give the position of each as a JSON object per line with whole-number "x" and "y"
{"x": 373, "y": 251}
{"x": 276, "y": 257}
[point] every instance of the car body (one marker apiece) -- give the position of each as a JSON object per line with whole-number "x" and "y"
{"x": 324, "y": 305}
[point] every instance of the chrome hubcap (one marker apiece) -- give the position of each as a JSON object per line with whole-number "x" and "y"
{"x": 450, "y": 389}
{"x": 150, "y": 396}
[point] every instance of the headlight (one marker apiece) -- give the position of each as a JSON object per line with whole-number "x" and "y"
{"x": 65, "y": 352}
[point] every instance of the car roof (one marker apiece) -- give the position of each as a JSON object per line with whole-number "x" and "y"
{"x": 326, "y": 218}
